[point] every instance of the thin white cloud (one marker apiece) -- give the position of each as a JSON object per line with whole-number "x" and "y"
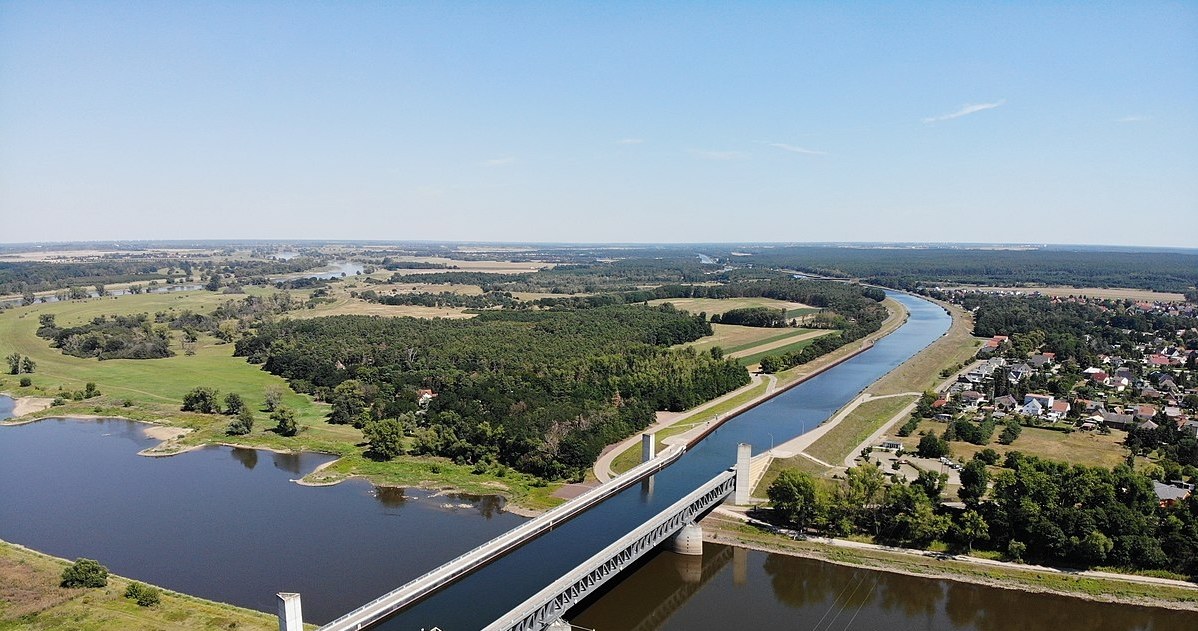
{"x": 719, "y": 155}
{"x": 630, "y": 141}
{"x": 965, "y": 110}
{"x": 793, "y": 149}
{"x": 500, "y": 162}
{"x": 1136, "y": 118}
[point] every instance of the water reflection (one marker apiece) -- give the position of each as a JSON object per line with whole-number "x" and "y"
{"x": 391, "y": 496}
{"x": 289, "y": 462}
{"x": 247, "y": 457}
{"x": 776, "y": 591}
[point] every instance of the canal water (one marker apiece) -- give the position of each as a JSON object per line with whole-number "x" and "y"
{"x": 230, "y": 525}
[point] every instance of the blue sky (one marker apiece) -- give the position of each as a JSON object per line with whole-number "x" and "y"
{"x": 606, "y": 121}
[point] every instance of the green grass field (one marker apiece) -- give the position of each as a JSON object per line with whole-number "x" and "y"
{"x": 31, "y": 600}
{"x": 864, "y": 420}
{"x": 723, "y": 305}
{"x": 755, "y": 358}
{"x": 153, "y": 389}
{"x": 631, "y": 457}
{"x": 1084, "y": 448}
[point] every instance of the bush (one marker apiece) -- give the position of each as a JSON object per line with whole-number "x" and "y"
{"x": 201, "y": 400}
{"x": 26, "y": 382}
{"x": 988, "y": 456}
{"x": 85, "y": 573}
{"x": 243, "y": 424}
{"x": 145, "y": 595}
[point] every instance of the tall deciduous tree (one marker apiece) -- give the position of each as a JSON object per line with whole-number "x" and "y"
{"x": 796, "y": 498}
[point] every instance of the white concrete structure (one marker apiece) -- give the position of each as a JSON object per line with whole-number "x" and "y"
{"x": 291, "y": 616}
{"x": 689, "y": 540}
{"x": 648, "y": 447}
{"x": 744, "y": 454}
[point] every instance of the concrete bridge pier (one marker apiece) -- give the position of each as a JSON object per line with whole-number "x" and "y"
{"x": 559, "y": 625}
{"x": 689, "y": 540}
{"x": 744, "y": 454}
{"x": 648, "y": 452}
{"x": 291, "y": 617}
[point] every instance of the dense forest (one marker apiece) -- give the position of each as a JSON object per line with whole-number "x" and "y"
{"x": 540, "y": 391}
{"x": 908, "y": 268}
{"x": 33, "y": 276}
{"x": 752, "y": 316}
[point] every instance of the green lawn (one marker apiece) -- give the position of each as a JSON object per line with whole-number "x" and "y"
{"x": 153, "y": 389}
{"x": 842, "y": 440}
{"x": 632, "y": 456}
{"x": 31, "y": 600}
{"x": 755, "y": 358}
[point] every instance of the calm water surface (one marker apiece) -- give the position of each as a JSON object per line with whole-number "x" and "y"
{"x": 223, "y": 523}
{"x": 735, "y": 588}
{"x": 6, "y": 407}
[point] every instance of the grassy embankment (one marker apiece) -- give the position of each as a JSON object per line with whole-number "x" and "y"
{"x": 31, "y": 600}
{"x": 918, "y": 374}
{"x": 1031, "y": 579}
{"x": 632, "y": 456}
{"x": 152, "y": 390}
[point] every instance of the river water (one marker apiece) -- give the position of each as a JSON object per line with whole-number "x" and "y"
{"x": 229, "y": 524}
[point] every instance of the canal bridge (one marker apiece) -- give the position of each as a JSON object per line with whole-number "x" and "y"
{"x": 675, "y": 525}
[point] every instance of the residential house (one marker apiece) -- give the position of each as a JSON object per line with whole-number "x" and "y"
{"x": 1144, "y": 412}
{"x": 1006, "y": 402}
{"x": 1172, "y": 492}
{"x": 1116, "y": 420}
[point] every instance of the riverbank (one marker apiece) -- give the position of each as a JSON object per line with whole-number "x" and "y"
{"x": 624, "y": 455}
{"x": 31, "y": 600}
{"x": 1148, "y": 591}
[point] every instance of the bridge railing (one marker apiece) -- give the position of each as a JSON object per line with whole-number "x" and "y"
{"x": 476, "y": 558}
{"x": 551, "y": 603}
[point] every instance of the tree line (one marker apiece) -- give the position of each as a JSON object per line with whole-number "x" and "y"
{"x": 1030, "y": 509}
{"x": 540, "y": 391}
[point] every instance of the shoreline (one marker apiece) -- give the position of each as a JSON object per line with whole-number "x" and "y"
{"x": 169, "y": 434}
{"x": 23, "y": 406}
{"x": 824, "y": 550}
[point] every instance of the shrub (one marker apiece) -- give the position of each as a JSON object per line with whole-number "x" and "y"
{"x": 26, "y": 382}
{"x": 145, "y": 595}
{"x": 85, "y": 573}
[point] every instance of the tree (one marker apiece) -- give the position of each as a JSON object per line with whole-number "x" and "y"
{"x": 1010, "y": 432}
{"x": 863, "y": 489}
{"x": 243, "y": 424}
{"x": 234, "y": 404}
{"x": 972, "y": 527}
{"x": 14, "y": 364}
{"x": 145, "y": 595}
{"x": 28, "y": 365}
{"x": 796, "y": 498}
{"x": 973, "y": 481}
{"x": 385, "y": 437}
{"x": 932, "y": 446}
{"x": 201, "y": 399}
{"x": 988, "y": 456}
{"x": 932, "y": 483}
{"x": 285, "y": 419}
{"x": 85, "y": 573}
{"x": 274, "y": 396}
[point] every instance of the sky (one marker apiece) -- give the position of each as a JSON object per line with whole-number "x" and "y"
{"x": 1012, "y": 122}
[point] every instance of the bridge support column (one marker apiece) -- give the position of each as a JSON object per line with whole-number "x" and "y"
{"x": 559, "y": 625}
{"x": 291, "y": 618}
{"x": 744, "y": 453}
{"x": 689, "y": 540}
{"x": 648, "y": 448}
